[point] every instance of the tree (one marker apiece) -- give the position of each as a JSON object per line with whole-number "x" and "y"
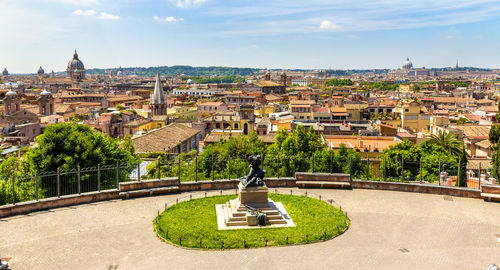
{"x": 494, "y": 137}
{"x": 338, "y": 82}
{"x": 402, "y": 161}
{"x": 462, "y": 120}
{"x": 67, "y": 145}
{"x": 462, "y": 179}
{"x": 448, "y": 141}
{"x": 24, "y": 186}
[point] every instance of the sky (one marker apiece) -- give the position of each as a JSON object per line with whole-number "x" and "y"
{"x": 312, "y": 34}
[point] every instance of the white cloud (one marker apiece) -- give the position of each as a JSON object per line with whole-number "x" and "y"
{"x": 168, "y": 19}
{"x": 88, "y": 12}
{"x": 107, "y": 16}
{"x": 328, "y": 25}
{"x": 188, "y": 3}
{"x": 349, "y": 15}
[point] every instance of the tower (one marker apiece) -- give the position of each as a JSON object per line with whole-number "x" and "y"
{"x": 283, "y": 78}
{"x": 12, "y": 102}
{"x": 158, "y": 103}
{"x": 267, "y": 77}
{"x": 46, "y": 103}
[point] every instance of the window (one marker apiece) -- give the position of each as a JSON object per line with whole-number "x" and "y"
{"x": 236, "y": 125}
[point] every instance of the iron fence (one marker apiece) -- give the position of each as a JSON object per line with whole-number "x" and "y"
{"x": 19, "y": 188}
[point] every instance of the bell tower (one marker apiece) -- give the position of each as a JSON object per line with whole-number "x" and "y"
{"x": 283, "y": 79}
{"x": 46, "y": 103}
{"x": 158, "y": 103}
{"x": 12, "y": 102}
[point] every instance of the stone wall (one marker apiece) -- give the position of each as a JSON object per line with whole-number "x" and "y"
{"x": 209, "y": 185}
{"x": 419, "y": 188}
{"x": 49, "y": 203}
{"x": 492, "y": 189}
{"x": 151, "y": 183}
{"x": 333, "y": 177}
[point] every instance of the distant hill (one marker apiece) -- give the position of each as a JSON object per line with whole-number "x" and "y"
{"x": 178, "y": 70}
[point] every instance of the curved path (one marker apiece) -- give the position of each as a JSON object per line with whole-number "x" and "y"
{"x": 390, "y": 230}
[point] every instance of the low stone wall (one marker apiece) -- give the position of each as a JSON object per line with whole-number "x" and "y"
{"x": 284, "y": 182}
{"x": 492, "y": 189}
{"x": 209, "y": 185}
{"x": 334, "y": 177}
{"x": 233, "y": 184}
{"x": 49, "y": 203}
{"x": 151, "y": 183}
{"x": 420, "y": 188}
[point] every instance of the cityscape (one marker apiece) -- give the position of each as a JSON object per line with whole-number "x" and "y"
{"x": 326, "y": 161}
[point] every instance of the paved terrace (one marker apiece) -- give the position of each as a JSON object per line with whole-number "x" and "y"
{"x": 390, "y": 230}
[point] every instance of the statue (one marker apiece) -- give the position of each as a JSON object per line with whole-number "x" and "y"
{"x": 255, "y": 177}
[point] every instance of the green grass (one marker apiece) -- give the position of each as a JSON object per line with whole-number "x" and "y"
{"x": 189, "y": 222}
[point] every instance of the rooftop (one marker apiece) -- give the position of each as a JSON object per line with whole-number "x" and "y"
{"x": 163, "y": 139}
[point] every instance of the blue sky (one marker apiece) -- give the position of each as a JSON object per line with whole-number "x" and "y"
{"x": 343, "y": 34}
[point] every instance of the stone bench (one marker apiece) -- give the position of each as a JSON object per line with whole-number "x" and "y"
{"x": 490, "y": 193}
{"x": 152, "y": 183}
{"x": 135, "y": 189}
{"x": 323, "y": 180}
{"x": 148, "y": 192}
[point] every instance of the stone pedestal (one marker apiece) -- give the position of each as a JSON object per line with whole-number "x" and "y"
{"x": 252, "y": 195}
{"x": 241, "y": 212}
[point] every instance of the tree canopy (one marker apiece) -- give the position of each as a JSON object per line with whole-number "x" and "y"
{"x": 402, "y": 161}
{"x": 338, "y": 82}
{"x": 67, "y": 145}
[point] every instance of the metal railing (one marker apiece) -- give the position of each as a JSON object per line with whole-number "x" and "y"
{"x": 186, "y": 168}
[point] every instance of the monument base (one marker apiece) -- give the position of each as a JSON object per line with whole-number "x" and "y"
{"x": 241, "y": 213}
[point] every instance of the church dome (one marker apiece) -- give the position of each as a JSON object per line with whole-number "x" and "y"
{"x": 45, "y": 92}
{"x": 75, "y": 63}
{"x": 407, "y": 64}
{"x": 11, "y": 93}
{"x": 5, "y": 72}
{"x": 40, "y": 71}
{"x": 189, "y": 81}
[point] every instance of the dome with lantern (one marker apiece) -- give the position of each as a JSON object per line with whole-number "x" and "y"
{"x": 407, "y": 64}
{"x": 40, "y": 71}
